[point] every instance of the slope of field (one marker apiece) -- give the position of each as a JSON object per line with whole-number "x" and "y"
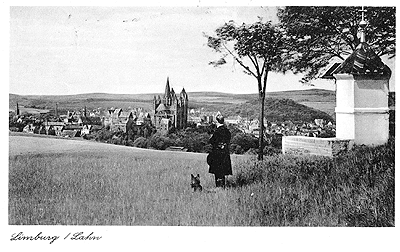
{"x": 69, "y": 182}
{"x": 36, "y": 145}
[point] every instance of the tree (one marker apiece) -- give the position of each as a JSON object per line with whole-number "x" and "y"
{"x": 257, "y": 48}
{"x": 317, "y": 34}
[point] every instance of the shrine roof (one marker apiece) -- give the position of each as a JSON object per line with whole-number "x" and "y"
{"x": 363, "y": 62}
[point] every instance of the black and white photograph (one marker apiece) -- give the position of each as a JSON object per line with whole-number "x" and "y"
{"x": 194, "y": 126}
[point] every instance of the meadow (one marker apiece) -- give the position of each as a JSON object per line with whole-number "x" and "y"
{"x": 117, "y": 185}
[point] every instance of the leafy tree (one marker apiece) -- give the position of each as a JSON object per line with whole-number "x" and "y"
{"x": 317, "y": 34}
{"x": 245, "y": 141}
{"x": 159, "y": 141}
{"x": 257, "y": 48}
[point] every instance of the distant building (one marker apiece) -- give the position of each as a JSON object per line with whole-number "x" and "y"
{"x": 171, "y": 110}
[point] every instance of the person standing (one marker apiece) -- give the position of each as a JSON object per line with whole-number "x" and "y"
{"x": 219, "y": 158}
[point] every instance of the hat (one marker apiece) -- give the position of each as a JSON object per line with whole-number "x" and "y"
{"x": 219, "y": 117}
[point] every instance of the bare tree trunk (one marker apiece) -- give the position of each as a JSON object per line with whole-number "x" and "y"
{"x": 261, "y": 127}
{"x": 262, "y": 90}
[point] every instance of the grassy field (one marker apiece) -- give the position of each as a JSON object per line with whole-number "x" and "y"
{"x": 64, "y": 182}
{"x": 109, "y": 185}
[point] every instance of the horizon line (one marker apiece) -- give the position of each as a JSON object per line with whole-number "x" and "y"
{"x": 254, "y": 93}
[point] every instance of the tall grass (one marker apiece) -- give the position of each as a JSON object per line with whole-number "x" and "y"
{"x": 90, "y": 189}
{"x": 356, "y": 189}
{"x": 123, "y": 189}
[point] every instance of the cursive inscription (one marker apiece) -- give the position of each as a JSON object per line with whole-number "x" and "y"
{"x": 21, "y": 237}
{"x": 78, "y": 236}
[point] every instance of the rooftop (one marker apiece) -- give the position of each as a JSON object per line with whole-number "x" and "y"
{"x": 363, "y": 61}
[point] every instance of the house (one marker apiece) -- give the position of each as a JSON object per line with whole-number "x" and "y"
{"x": 58, "y": 129}
{"x": 195, "y": 119}
{"x": 49, "y": 130}
{"x": 28, "y": 129}
{"x": 91, "y": 120}
{"x": 232, "y": 121}
{"x": 116, "y": 113}
{"x": 86, "y": 129}
{"x": 70, "y": 133}
{"x": 42, "y": 130}
{"x": 89, "y": 129}
{"x": 124, "y": 116}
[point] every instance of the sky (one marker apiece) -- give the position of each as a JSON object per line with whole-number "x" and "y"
{"x": 130, "y": 50}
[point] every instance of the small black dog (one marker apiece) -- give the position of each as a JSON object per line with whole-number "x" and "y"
{"x": 195, "y": 183}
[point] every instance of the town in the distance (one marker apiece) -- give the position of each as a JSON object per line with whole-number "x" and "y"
{"x": 170, "y": 112}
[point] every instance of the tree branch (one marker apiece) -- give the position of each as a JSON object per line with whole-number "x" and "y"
{"x": 255, "y": 63}
{"x": 239, "y": 61}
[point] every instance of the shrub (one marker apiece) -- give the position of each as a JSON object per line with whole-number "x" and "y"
{"x": 89, "y": 136}
{"x": 192, "y": 140}
{"x": 195, "y": 142}
{"x": 271, "y": 151}
{"x": 140, "y": 142}
{"x": 118, "y": 140}
{"x": 51, "y": 132}
{"x": 251, "y": 151}
{"x": 129, "y": 142}
{"x": 237, "y": 149}
{"x": 159, "y": 142}
{"x": 104, "y": 135}
{"x": 245, "y": 141}
{"x": 14, "y": 129}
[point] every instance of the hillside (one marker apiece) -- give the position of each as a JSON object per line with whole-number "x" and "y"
{"x": 323, "y": 100}
{"x": 22, "y": 144}
{"x": 278, "y": 110}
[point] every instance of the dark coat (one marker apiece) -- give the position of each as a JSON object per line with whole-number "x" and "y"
{"x": 219, "y": 159}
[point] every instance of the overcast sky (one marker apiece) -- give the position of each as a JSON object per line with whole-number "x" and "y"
{"x": 70, "y": 50}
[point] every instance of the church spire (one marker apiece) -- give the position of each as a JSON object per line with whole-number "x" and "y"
{"x": 167, "y": 89}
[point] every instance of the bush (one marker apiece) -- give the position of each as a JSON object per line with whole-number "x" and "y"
{"x": 245, "y": 141}
{"x": 192, "y": 140}
{"x": 140, "y": 142}
{"x": 160, "y": 142}
{"x": 118, "y": 140}
{"x": 237, "y": 149}
{"x": 195, "y": 142}
{"x": 251, "y": 151}
{"x": 51, "y": 132}
{"x": 271, "y": 151}
{"x": 15, "y": 126}
{"x": 89, "y": 136}
{"x": 14, "y": 129}
{"x": 104, "y": 135}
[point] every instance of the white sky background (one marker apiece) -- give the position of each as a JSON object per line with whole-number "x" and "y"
{"x": 71, "y": 50}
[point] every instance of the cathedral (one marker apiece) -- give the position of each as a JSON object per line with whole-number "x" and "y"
{"x": 171, "y": 110}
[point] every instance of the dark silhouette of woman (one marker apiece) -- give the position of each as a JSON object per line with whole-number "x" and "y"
{"x": 219, "y": 158}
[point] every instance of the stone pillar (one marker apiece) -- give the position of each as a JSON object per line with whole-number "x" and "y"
{"x": 362, "y": 111}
